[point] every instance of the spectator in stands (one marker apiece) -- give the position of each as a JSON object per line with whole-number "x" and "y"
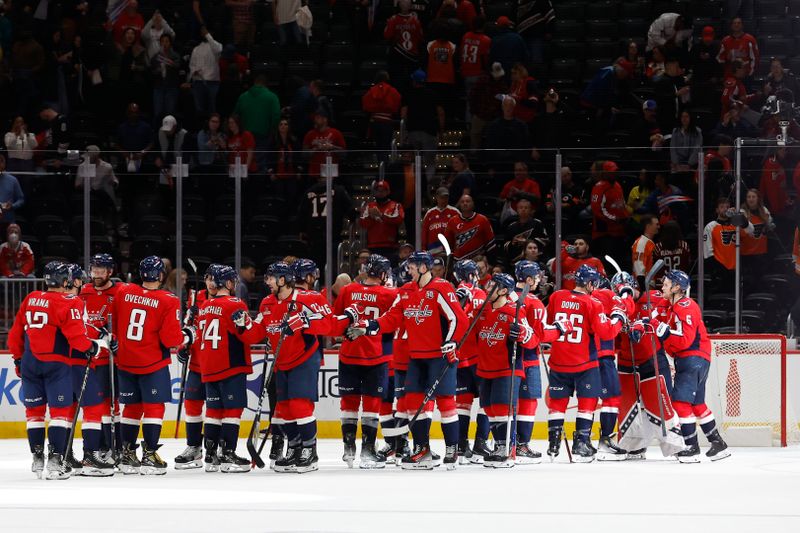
{"x": 152, "y": 32}
{"x": 129, "y": 18}
{"x": 176, "y": 284}
{"x": 260, "y": 111}
{"x": 507, "y": 137}
{"x": 781, "y": 82}
{"x": 673, "y": 94}
{"x": 636, "y": 59}
{"x": 522, "y": 228}
{"x": 773, "y": 186}
{"x": 754, "y": 247}
{"x": 233, "y": 69}
{"x": 685, "y": 144}
{"x": 672, "y": 248}
{"x": 313, "y": 213}
{"x": 643, "y": 248}
{"x": 706, "y": 70}
{"x": 462, "y": 180}
{"x": 508, "y": 47}
{"x": 668, "y": 201}
{"x": 211, "y": 145}
{"x": 284, "y": 13}
{"x": 103, "y": 185}
{"x": 536, "y": 21}
{"x": 647, "y": 132}
{"x": 718, "y": 172}
{"x": 244, "y": 24}
{"x": 240, "y": 143}
{"x": 530, "y": 252}
{"x": 171, "y": 140}
{"x": 719, "y": 238}
{"x": 20, "y": 144}
{"x": 656, "y": 67}
{"x": 134, "y": 139}
{"x": 639, "y": 193}
{"x": 283, "y": 166}
{"x": 404, "y": 34}
{"x": 520, "y": 186}
{"x": 322, "y": 141}
{"x": 58, "y": 134}
{"x": 361, "y": 264}
{"x": 305, "y": 102}
{"x": 572, "y": 200}
{"x": 247, "y": 276}
{"x": 204, "y": 72}
{"x": 670, "y": 30}
{"x": 424, "y": 120}
{"x": 572, "y": 257}
{"x": 27, "y": 60}
{"x": 603, "y": 94}
{"x": 167, "y": 265}
{"x": 609, "y": 212}
{"x": 734, "y": 94}
{"x": 453, "y": 27}
{"x": 16, "y": 255}
{"x": 549, "y": 129}
{"x": 469, "y": 233}
{"x": 382, "y": 102}
{"x": 738, "y": 46}
{"x": 341, "y": 281}
{"x": 524, "y": 91}
{"x": 441, "y": 66}
{"x": 165, "y": 70}
{"x": 733, "y": 126}
{"x": 382, "y": 218}
{"x": 435, "y": 221}
{"x": 11, "y": 197}
{"x": 484, "y": 102}
{"x": 128, "y": 67}
{"x": 474, "y": 58}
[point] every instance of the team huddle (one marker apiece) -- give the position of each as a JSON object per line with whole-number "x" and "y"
{"x": 410, "y": 342}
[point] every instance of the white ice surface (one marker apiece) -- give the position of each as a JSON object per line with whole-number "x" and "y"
{"x": 755, "y": 490}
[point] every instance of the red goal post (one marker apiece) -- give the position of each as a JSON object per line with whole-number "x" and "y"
{"x": 747, "y": 390}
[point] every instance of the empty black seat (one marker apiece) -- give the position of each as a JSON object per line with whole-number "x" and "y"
{"x": 144, "y": 246}
{"x": 148, "y": 205}
{"x": 61, "y": 245}
{"x": 217, "y": 247}
{"x": 47, "y": 225}
{"x": 715, "y": 319}
{"x": 256, "y": 247}
{"x": 193, "y": 206}
{"x": 151, "y": 225}
{"x": 604, "y": 9}
{"x": 600, "y": 29}
{"x": 194, "y": 225}
{"x": 721, "y": 301}
{"x": 290, "y": 245}
{"x": 96, "y": 227}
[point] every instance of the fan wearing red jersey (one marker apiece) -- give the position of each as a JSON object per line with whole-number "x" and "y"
{"x": 363, "y": 364}
{"x": 496, "y": 333}
{"x": 685, "y": 338}
{"x": 194, "y": 390}
{"x": 147, "y": 324}
{"x": 573, "y": 256}
{"x": 98, "y": 297}
{"x": 573, "y": 359}
{"x": 470, "y": 234}
{"x": 47, "y": 326}
{"x": 468, "y": 384}
{"x": 530, "y": 390}
{"x": 293, "y": 320}
{"x": 434, "y": 322}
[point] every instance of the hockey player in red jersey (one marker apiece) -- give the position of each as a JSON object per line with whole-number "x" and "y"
{"x": 363, "y": 365}
{"x": 435, "y": 323}
{"x": 468, "y": 384}
{"x": 497, "y": 333}
{"x": 573, "y": 359}
{"x": 146, "y": 325}
{"x": 685, "y": 338}
{"x": 47, "y": 326}
{"x": 225, "y": 332}
{"x": 194, "y": 390}
{"x": 98, "y": 297}
{"x": 292, "y": 321}
{"x": 530, "y": 390}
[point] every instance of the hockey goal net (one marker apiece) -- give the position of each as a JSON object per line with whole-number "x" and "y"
{"x": 748, "y": 390}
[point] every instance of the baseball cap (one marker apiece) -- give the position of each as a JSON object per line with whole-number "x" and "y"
{"x": 649, "y": 105}
{"x": 504, "y": 21}
{"x": 610, "y": 166}
{"x": 497, "y": 70}
{"x": 169, "y": 123}
{"x": 442, "y": 191}
{"x": 419, "y": 76}
{"x": 381, "y": 184}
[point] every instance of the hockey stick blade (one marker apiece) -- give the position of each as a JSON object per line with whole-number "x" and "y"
{"x": 658, "y": 265}
{"x": 613, "y": 263}
{"x": 192, "y": 264}
{"x": 445, "y": 244}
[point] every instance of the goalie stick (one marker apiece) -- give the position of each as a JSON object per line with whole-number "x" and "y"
{"x": 405, "y": 428}
{"x": 650, "y": 275}
{"x": 613, "y": 263}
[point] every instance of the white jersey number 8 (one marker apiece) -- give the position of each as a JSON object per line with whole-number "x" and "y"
{"x": 136, "y": 325}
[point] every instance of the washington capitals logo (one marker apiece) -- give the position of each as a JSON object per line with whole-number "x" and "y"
{"x": 492, "y": 335}
{"x": 419, "y": 314}
{"x": 462, "y": 238}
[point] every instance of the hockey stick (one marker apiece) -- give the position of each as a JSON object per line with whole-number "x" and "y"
{"x": 113, "y": 391}
{"x": 255, "y": 453}
{"x": 564, "y": 433}
{"x": 405, "y": 428}
{"x": 612, "y": 262}
{"x": 185, "y": 366}
{"x": 448, "y": 252}
{"x": 78, "y": 410}
{"x": 650, "y": 275}
{"x": 523, "y": 295}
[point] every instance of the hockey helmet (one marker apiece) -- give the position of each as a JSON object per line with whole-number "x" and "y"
{"x": 465, "y": 270}
{"x": 223, "y": 274}
{"x": 679, "y": 278}
{"x": 303, "y": 268}
{"x": 151, "y": 268}
{"x": 585, "y": 275}
{"x": 56, "y": 274}
{"x": 102, "y": 261}
{"x": 377, "y": 265}
{"x": 403, "y": 276}
{"x": 527, "y": 269}
{"x": 281, "y": 269}
{"x": 504, "y": 281}
{"x": 623, "y": 278}
{"x": 420, "y": 257}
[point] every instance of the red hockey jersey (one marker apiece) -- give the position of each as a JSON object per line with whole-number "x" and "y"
{"x": 688, "y": 335}
{"x": 47, "y": 325}
{"x": 570, "y": 264}
{"x": 610, "y": 301}
{"x": 405, "y": 34}
{"x": 98, "y": 309}
{"x": 431, "y": 315}
{"x": 474, "y": 54}
{"x": 469, "y": 237}
{"x": 147, "y": 324}
{"x": 577, "y": 351}
{"x": 643, "y": 350}
{"x": 744, "y": 48}
{"x": 494, "y": 346}
{"x": 17, "y": 259}
{"x": 372, "y": 301}
{"x": 608, "y": 210}
{"x": 433, "y": 223}
{"x": 382, "y": 231}
{"x": 224, "y": 351}
{"x": 536, "y": 313}
{"x": 468, "y": 354}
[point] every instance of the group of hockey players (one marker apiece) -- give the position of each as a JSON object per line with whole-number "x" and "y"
{"x": 410, "y": 342}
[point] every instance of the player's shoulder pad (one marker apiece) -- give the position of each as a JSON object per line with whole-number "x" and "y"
{"x": 69, "y": 296}
{"x": 685, "y": 303}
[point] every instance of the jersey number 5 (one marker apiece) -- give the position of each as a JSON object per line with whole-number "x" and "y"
{"x": 576, "y": 335}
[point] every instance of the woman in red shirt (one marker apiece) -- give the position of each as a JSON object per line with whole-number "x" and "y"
{"x": 240, "y": 143}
